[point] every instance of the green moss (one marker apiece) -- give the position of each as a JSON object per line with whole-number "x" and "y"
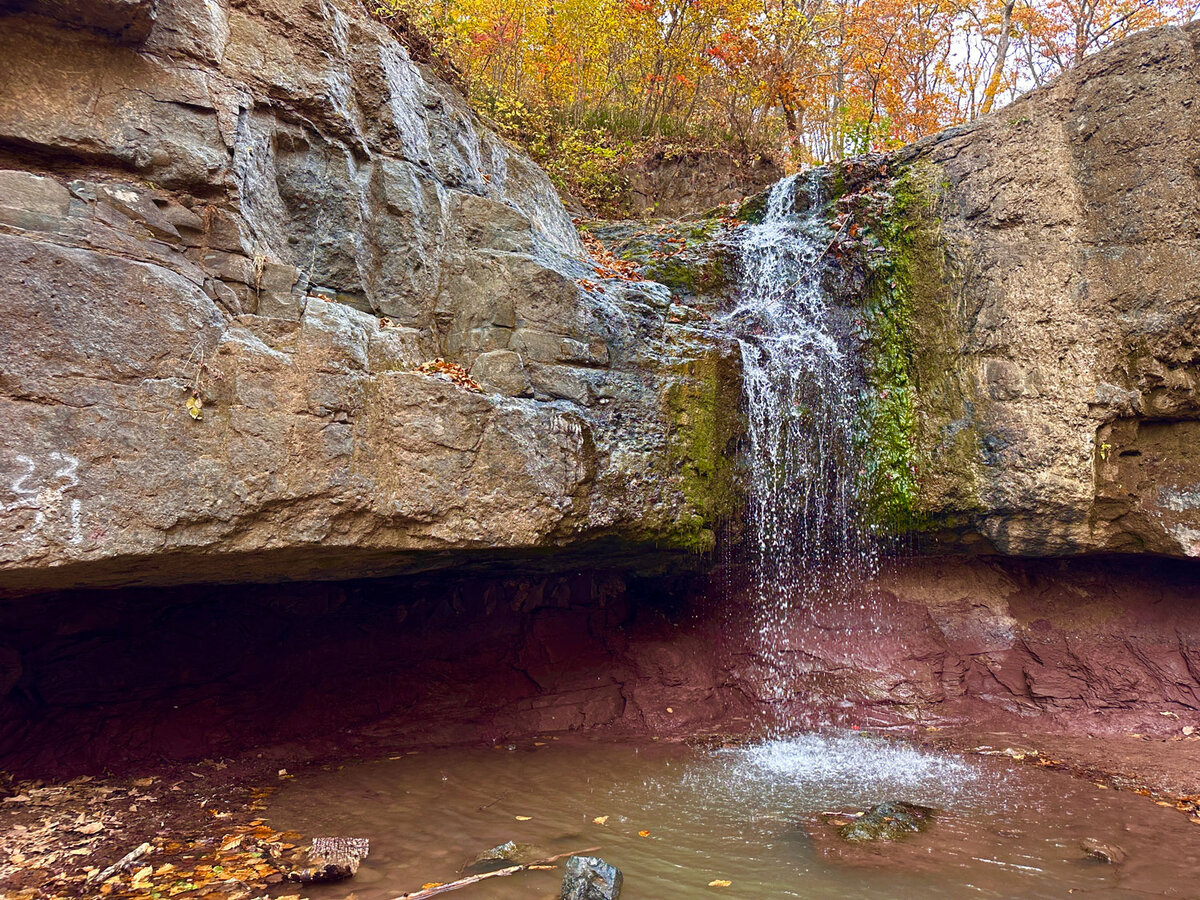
{"x": 753, "y": 210}
{"x": 703, "y": 408}
{"x": 920, "y": 444}
{"x": 687, "y": 274}
{"x": 684, "y": 257}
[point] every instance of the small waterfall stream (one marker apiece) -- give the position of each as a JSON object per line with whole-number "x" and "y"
{"x": 809, "y": 542}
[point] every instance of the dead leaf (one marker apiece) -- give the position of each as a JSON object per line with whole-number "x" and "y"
{"x": 719, "y": 882}
{"x": 522, "y": 818}
{"x": 600, "y": 820}
{"x": 643, "y": 833}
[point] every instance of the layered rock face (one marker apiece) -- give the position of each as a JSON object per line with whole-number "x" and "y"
{"x": 230, "y": 233}
{"x": 1057, "y": 314}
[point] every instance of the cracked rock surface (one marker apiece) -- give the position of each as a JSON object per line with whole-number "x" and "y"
{"x": 229, "y": 234}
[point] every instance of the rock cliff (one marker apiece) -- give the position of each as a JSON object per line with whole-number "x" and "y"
{"x": 1047, "y": 258}
{"x": 231, "y": 233}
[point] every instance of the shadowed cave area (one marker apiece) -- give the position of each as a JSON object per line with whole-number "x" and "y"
{"x": 110, "y": 680}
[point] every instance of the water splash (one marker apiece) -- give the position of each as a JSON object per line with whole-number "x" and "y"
{"x": 810, "y": 542}
{"x": 818, "y": 771}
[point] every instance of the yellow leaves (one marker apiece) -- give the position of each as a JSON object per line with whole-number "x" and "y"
{"x": 429, "y": 885}
{"x": 195, "y": 407}
{"x": 232, "y": 841}
{"x": 448, "y": 371}
{"x": 523, "y": 818}
{"x": 600, "y": 820}
{"x": 720, "y": 882}
{"x": 643, "y": 833}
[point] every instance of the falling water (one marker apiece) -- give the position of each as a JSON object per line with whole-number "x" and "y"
{"x": 809, "y": 541}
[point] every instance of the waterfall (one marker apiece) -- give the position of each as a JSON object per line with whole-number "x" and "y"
{"x": 808, "y": 541}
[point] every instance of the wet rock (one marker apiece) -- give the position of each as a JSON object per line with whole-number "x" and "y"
{"x": 889, "y": 821}
{"x": 329, "y": 859}
{"x": 1102, "y": 852}
{"x": 591, "y": 878}
{"x": 510, "y": 853}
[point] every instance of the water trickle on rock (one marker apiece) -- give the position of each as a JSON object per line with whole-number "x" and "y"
{"x": 810, "y": 541}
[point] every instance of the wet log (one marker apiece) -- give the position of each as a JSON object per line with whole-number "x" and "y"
{"x": 499, "y": 873}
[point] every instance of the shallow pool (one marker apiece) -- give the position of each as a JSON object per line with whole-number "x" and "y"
{"x": 675, "y": 818}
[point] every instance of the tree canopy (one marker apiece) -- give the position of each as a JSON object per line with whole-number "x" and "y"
{"x": 809, "y": 80}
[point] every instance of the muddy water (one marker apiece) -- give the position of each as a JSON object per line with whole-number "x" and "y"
{"x": 750, "y": 815}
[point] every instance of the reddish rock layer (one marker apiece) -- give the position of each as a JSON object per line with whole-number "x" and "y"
{"x": 106, "y": 679}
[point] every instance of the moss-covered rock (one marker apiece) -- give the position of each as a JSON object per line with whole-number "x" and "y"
{"x": 889, "y": 821}
{"x": 891, "y": 261}
{"x": 704, "y": 407}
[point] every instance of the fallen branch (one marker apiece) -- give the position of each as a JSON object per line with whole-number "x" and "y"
{"x": 499, "y": 873}
{"x": 121, "y": 864}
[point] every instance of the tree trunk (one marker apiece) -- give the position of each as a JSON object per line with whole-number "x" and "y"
{"x": 989, "y": 94}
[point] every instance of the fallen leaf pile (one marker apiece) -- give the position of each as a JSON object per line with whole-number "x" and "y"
{"x": 448, "y": 371}
{"x": 176, "y": 839}
{"x": 606, "y": 263}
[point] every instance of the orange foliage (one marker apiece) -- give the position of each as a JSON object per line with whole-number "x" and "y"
{"x": 821, "y": 78}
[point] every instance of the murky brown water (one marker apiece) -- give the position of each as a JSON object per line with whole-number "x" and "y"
{"x": 743, "y": 815}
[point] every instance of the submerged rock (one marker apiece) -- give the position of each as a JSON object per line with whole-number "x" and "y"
{"x": 888, "y": 822}
{"x": 591, "y": 878}
{"x": 510, "y": 853}
{"x": 1102, "y": 852}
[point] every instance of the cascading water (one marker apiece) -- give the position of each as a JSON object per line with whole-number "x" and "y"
{"x": 810, "y": 542}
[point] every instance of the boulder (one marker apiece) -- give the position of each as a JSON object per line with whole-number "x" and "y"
{"x": 591, "y": 878}
{"x": 1054, "y": 310}
{"x": 1103, "y": 852}
{"x": 502, "y": 856}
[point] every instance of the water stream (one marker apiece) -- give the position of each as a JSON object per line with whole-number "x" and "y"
{"x": 810, "y": 542}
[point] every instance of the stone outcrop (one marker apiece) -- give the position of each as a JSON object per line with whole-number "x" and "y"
{"x": 1056, "y": 310}
{"x": 230, "y": 232}
{"x": 674, "y": 182}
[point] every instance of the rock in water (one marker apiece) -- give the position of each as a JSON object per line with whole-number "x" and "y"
{"x": 1107, "y": 853}
{"x": 510, "y": 853}
{"x": 888, "y": 822}
{"x": 591, "y": 878}
{"x": 330, "y": 859}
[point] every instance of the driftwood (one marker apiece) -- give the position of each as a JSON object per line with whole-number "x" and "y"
{"x": 121, "y": 864}
{"x": 499, "y": 873}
